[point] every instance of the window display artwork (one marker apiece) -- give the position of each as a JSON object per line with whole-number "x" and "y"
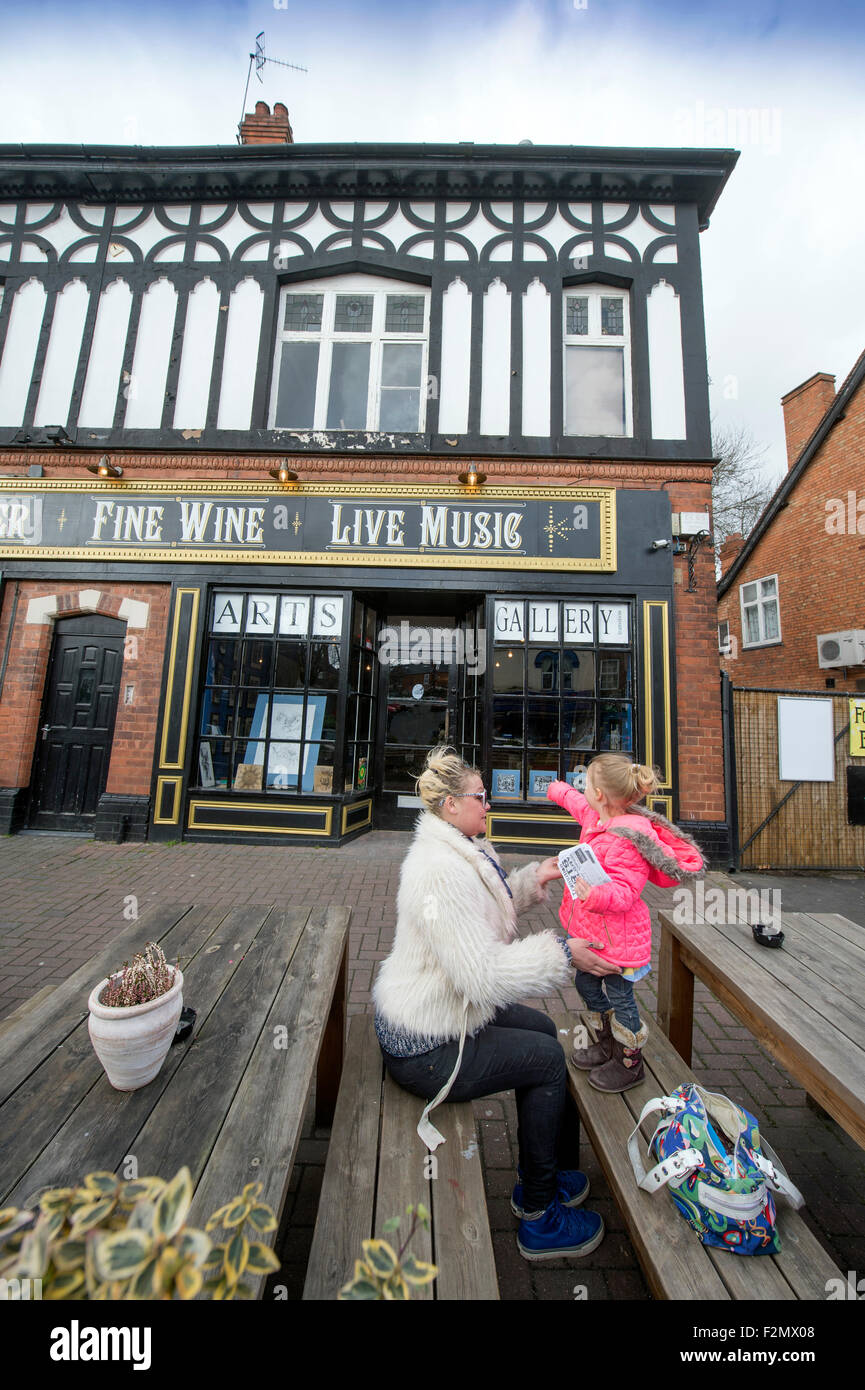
{"x": 286, "y": 727}
{"x": 506, "y": 784}
{"x": 539, "y": 780}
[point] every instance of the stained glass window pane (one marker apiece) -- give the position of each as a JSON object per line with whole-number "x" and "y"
{"x": 577, "y": 316}
{"x": 303, "y": 313}
{"x": 404, "y": 313}
{"x": 353, "y": 313}
{"x": 613, "y": 317}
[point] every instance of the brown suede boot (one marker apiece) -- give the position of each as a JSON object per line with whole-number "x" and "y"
{"x": 625, "y": 1067}
{"x": 585, "y": 1058}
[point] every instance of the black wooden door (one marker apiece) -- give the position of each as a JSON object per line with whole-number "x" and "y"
{"x": 73, "y": 744}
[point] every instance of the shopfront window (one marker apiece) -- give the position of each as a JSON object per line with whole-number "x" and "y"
{"x": 561, "y": 691}
{"x": 268, "y": 713}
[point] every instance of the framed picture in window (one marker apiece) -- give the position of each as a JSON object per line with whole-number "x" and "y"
{"x": 205, "y": 766}
{"x": 539, "y": 780}
{"x": 286, "y": 728}
{"x": 506, "y": 784}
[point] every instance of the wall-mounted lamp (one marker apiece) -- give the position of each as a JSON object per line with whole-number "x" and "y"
{"x": 105, "y": 468}
{"x": 283, "y": 475}
{"x": 472, "y": 478}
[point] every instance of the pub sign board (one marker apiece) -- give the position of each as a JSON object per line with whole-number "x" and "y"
{"x": 312, "y": 523}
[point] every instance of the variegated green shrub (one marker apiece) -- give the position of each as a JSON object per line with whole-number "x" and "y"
{"x": 112, "y": 1239}
{"x": 385, "y": 1275}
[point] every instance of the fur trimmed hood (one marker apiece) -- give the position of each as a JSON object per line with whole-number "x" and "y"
{"x": 673, "y": 854}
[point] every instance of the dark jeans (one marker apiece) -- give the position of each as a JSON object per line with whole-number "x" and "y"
{"x": 518, "y": 1050}
{"x": 610, "y": 992}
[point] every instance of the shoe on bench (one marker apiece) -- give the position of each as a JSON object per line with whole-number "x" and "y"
{"x": 559, "y": 1232}
{"x": 572, "y": 1189}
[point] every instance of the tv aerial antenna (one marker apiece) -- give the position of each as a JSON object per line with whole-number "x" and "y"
{"x": 259, "y": 58}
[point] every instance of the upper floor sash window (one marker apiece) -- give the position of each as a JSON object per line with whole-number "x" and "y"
{"x": 351, "y": 354}
{"x": 761, "y": 621}
{"x": 597, "y": 358}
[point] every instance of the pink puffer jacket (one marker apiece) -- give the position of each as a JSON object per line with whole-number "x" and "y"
{"x": 633, "y": 848}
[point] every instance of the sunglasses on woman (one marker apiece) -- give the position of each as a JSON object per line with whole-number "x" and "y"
{"x": 478, "y": 796}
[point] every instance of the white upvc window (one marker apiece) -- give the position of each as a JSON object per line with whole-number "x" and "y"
{"x": 351, "y": 354}
{"x": 761, "y": 619}
{"x": 724, "y": 643}
{"x": 597, "y": 361}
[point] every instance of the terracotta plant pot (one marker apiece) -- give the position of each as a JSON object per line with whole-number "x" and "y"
{"x": 132, "y": 1041}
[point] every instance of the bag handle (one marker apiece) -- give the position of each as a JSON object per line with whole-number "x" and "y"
{"x": 678, "y": 1165}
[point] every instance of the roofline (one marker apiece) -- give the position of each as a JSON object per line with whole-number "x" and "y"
{"x": 100, "y": 172}
{"x": 787, "y": 484}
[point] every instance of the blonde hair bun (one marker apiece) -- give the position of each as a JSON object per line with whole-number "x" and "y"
{"x": 445, "y": 774}
{"x": 623, "y": 781}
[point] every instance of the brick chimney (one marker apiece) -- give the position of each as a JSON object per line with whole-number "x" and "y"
{"x": 804, "y": 408}
{"x": 262, "y": 128}
{"x": 730, "y": 548}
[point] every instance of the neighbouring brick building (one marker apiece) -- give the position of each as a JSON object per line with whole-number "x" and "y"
{"x": 482, "y": 371}
{"x": 800, "y": 576}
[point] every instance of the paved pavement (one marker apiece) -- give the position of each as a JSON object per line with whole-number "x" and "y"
{"x": 62, "y": 897}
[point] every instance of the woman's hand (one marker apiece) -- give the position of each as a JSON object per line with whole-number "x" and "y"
{"x": 547, "y": 870}
{"x": 585, "y": 959}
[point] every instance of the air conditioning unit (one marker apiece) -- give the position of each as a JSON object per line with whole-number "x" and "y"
{"x": 841, "y": 648}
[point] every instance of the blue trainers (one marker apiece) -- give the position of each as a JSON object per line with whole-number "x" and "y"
{"x": 558, "y": 1232}
{"x": 572, "y": 1189}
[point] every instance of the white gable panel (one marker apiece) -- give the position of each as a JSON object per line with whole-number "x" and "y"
{"x": 558, "y": 232}
{"x": 148, "y": 234}
{"x": 5, "y": 251}
{"x": 455, "y": 251}
{"x": 126, "y": 214}
{"x": 34, "y": 212}
{"x": 344, "y": 211}
{"x": 582, "y": 212}
{"x": 173, "y": 253}
{"x": 196, "y": 362}
{"x": 93, "y": 214}
{"x": 454, "y": 211}
{"x": 61, "y": 359}
{"x": 614, "y": 212}
{"x": 19, "y": 352}
{"x": 62, "y": 232}
{"x": 503, "y": 252}
{"x": 241, "y": 357}
{"x": 232, "y": 233}
{"x": 496, "y": 372}
{"x": 106, "y": 356}
{"x": 479, "y": 231}
{"x": 666, "y": 368}
{"x": 8, "y": 213}
{"x": 146, "y": 389}
{"x": 639, "y": 233}
{"x": 84, "y": 255}
{"x": 536, "y": 360}
{"x": 315, "y": 229}
{"x": 258, "y": 251}
{"x": 424, "y": 211}
{"x": 533, "y": 252}
{"x": 398, "y": 229}
{"x": 177, "y": 214}
{"x": 665, "y": 212}
{"x": 617, "y": 252}
{"x": 210, "y": 213}
{"x": 29, "y": 252}
{"x": 665, "y": 255}
{"x": 456, "y": 359}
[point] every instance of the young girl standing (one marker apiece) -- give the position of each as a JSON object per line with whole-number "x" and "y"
{"x": 633, "y": 845}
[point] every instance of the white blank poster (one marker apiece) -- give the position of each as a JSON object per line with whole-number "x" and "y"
{"x": 806, "y": 751}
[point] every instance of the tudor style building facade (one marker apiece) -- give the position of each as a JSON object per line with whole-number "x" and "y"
{"x": 485, "y": 366}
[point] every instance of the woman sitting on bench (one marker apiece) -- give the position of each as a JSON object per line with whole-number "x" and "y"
{"x": 448, "y": 1016}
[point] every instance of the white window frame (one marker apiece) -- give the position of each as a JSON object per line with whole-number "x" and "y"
{"x": 331, "y": 286}
{"x": 595, "y": 338}
{"x": 759, "y": 601}
{"x": 724, "y": 639}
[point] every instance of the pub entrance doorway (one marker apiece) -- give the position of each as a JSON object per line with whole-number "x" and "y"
{"x": 73, "y": 746}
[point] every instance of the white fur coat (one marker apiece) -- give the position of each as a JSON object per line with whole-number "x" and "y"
{"x": 456, "y": 938}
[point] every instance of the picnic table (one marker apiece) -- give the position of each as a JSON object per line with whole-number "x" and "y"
{"x": 269, "y": 989}
{"x": 802, "y": 1002}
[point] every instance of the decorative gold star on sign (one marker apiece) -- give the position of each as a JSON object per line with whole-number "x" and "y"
{"x": 297, "y": 522}
{"x": 61, "y": 520}
{"x": 555, "y": 529}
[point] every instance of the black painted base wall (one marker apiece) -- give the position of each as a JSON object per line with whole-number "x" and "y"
{"x": 714, "y": 840}
{"x": 13, "y": 806}
{"x": 121, "y": 818}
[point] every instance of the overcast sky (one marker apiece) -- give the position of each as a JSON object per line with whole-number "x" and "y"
{"x": 779, "y": 80}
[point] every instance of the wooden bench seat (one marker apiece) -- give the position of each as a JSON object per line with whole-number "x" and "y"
{"x": 376, "y": 1165}
{"x": 675, "y": 1262}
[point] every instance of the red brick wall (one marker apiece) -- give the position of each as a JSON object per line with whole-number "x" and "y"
{"x": 804, "y": 408}
{"x": 29, "y": 652}
{"x": 694, "y": 615}
{"x": 821, "y": 576}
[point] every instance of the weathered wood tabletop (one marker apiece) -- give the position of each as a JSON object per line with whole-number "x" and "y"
{"x": 803, "y": 1001}
{"x": 269, "y": 989}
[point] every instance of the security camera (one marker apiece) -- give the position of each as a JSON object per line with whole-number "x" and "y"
{"x": 660, "y": 545}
